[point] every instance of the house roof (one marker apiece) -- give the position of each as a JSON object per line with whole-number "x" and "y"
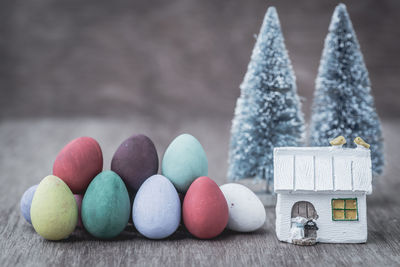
{"x": 322, "y": 169}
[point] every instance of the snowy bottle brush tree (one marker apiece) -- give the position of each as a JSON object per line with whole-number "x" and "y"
{"x": 343, "y": 104}
{"x": 268, "y": 112}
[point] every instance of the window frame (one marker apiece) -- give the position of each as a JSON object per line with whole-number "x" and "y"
{"x": 344, "y": 209}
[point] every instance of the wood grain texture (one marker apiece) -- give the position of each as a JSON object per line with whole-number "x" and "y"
{"x": 342, "y": 173}
{"x": 323, "y": 165}
{"x": 362, "y": 168}
{"x": 304, "y": 172}
{"x": 322, "y": 169}
{"x": 28, "y": 148}
{"x": 284, "y": 167}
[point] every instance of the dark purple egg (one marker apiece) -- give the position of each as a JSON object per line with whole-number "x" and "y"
{"x": 135, "y": 160}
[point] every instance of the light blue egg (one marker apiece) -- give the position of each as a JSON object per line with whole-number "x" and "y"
{"x": 26, "y": 201}
{"x": 156, "y": 210}
{"x": 184, "y": 161}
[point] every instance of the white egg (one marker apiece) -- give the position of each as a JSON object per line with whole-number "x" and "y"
{"x": 246, "y": 211}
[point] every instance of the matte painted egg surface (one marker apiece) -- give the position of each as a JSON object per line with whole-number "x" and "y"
{"x": 135, "y": 160}
{"x": 246, "y": 211}
{"x": 184, "y": 161}
{"x": 106, "y": 206}
{"x": 157, "y": 208}
{"x": 26, "y": 202}
{"x": 54, "y": 212}
{"x": 78, "y": 163}
{"x": 205, "y": 211}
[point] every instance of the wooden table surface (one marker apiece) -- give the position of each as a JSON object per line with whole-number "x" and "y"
{"x": 27, "y": 151}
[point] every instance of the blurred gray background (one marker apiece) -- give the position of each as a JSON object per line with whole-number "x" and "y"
{"x": 169, "y": 59}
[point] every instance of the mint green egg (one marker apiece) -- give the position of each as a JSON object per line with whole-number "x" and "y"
{"x": 54, "y": 212}
{"x": 184, "y": 161}
{"x": 105, "y": 206}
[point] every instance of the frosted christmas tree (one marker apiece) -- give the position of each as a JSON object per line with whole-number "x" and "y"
{"x": 268, "y": 112}
{"x": 343, "y": 104}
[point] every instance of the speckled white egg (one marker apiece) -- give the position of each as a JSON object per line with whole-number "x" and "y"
{"x": 246, "y": 211}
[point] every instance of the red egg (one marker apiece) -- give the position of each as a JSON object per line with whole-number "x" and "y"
{"x": 205, "y": 211}
{"x": 78, "y": 163}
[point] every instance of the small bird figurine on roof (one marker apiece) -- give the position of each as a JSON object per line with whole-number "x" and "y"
{"x": 360, "y": 142}
{"x": 338, "y": 141}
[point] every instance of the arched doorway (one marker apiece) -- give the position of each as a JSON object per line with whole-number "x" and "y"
{"x": 308, "y": 214}
{"x": 304, "y": 209}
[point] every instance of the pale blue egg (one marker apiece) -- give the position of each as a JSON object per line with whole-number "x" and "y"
{"x": 26, "y": 201}
{"x": 184, "y": 161}
{"x": 156, "y": 210}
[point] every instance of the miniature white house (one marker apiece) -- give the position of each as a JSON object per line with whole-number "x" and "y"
{"x": 321, "y": 194}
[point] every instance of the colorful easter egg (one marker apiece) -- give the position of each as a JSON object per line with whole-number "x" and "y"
{"x": 26, "y": 201}
{"x": 106, "y": 206}
{"x": 205, "y": 211}
{"x": 246, "y": 211}
{"x": 78, "y": 199}
{"x": 184, "y": 161}
{"x": 54, "y": 212}
{"x": 78, "y": 163}
{"x": 156, "y": 208}
{"x": 135, "y": 160}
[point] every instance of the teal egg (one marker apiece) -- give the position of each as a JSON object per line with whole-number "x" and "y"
{"x": 184, "y": 161}
{"x": 106, "y": 206}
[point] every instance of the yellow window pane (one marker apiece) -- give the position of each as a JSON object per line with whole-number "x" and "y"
{"x": 351, "y": 214}
{"x": 351, "y": 204}
{"x": 338, "y": 204}
{"x": 338, "y": 214}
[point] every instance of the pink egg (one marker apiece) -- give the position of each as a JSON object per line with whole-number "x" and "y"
{"x": 205, "y": 211}
{"x": 78, "y": 163}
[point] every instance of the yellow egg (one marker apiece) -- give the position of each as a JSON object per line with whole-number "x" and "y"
{"x": 54, "y": 212}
